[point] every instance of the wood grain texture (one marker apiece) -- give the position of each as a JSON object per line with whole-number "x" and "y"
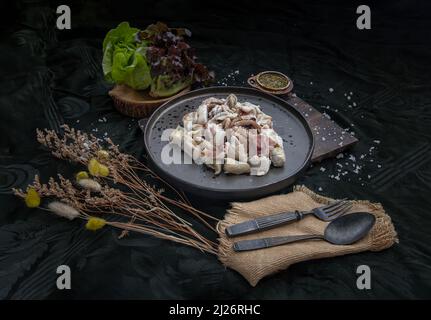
{"x": 330, "y": 138}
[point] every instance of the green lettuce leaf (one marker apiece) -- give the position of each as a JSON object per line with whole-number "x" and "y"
{"x": 165, "y": 86}
{"x": 123, "y": 33}
{"x": 124, "y": 60}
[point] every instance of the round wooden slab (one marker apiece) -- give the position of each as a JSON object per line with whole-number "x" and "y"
{"x": 138, "y": 103}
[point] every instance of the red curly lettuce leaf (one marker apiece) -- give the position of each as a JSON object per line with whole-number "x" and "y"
{"x": 172, "y": 61}
{"x": 157, "y": 57}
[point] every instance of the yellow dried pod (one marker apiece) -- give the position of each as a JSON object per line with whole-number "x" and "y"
{"x": 103, "y": 170}
{"x": 81, "y": 175}
{"x": 103, "y": 155}
{"x": 95, "y": 223}
{"x": 32, "y": 198}
{"x": 93, "y": 167}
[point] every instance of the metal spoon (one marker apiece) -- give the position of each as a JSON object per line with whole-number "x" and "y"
{"x": 344, "y": 230}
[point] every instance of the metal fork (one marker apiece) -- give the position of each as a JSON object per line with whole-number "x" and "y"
{"x": 325, "y": 213}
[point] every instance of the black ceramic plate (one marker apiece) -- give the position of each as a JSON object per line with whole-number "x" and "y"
{"x": 197, "y": 179}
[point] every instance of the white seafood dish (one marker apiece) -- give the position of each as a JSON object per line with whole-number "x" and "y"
{"x": 231, "y": 137}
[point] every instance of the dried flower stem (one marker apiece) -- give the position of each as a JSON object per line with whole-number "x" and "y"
{"x": 146, "y": 207}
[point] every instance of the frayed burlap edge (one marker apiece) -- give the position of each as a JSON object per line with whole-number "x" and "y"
{"x": 383, "y": 235}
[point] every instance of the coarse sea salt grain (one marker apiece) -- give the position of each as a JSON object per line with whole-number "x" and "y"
{"x": 331, "y": 90}
{"x": 322, "y": 169}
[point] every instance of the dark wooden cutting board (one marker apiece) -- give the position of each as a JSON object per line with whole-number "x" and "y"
{"x": 330, "y": 138}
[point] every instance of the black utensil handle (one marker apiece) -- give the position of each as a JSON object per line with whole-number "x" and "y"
{"x": 255, "y": 244}
{"x": 263, "y": 223}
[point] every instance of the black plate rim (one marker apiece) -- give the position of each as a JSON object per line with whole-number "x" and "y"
{"x": 223, "y": 193}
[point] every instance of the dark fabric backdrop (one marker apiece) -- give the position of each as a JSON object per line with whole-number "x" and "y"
{"x": 381, "y": 91}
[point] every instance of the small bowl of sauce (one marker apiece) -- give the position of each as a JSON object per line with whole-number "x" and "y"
{"x": 271, "y": 81}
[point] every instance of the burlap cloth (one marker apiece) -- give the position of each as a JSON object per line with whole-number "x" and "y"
{"x": 254, "y": 265}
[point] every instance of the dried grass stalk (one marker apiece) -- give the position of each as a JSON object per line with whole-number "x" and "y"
{"x": 123, "y": 192}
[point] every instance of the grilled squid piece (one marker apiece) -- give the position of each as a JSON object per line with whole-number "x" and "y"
{"x": 232, "y": 101}
{"x": 236, "y": 167}
{"x": 261, "y": 165}
{"x": 226, "y": 123}
{"x": 264, "y": 120}
{"x": 213, "y": 101}
{"x": 189, "y": 119}
{"x": 246, "y": 123}
{"x": 176, "y": 136}
{"x": 277, "y": 157}
{"x": 248, "y": 117}
{"x": 236, "y": 150}
{"x": 191, "y": 149}
{"x": 202, "y": 114}
{"x": 246, "y": 108}
{"x": 185, "y": 141}
{"x": 217, "y": 167}
{"x": 223, "y": 116}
